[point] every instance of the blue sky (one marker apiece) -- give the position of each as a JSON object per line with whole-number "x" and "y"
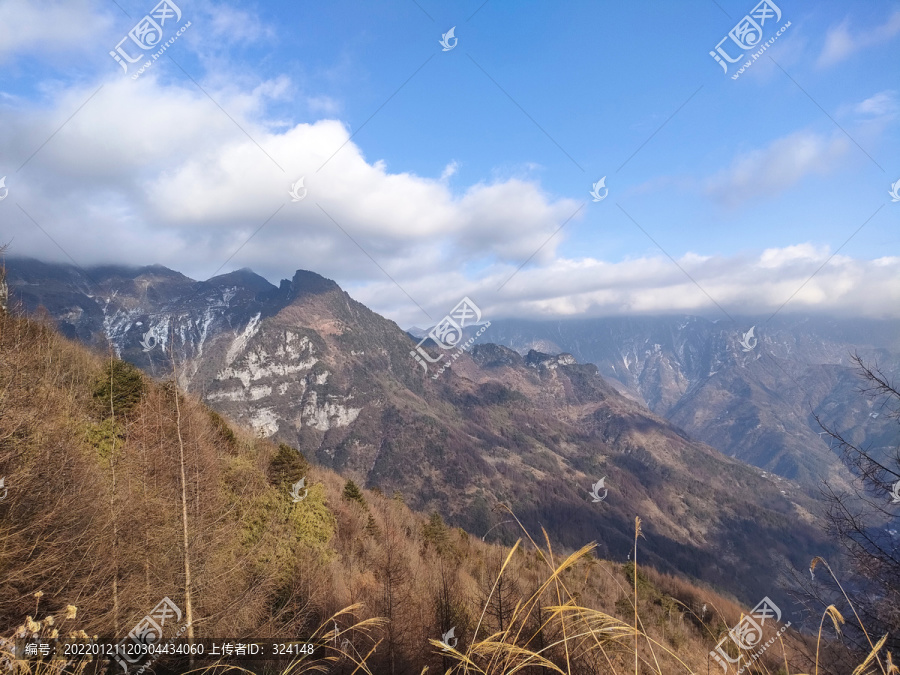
{"x": 457, "y": 166}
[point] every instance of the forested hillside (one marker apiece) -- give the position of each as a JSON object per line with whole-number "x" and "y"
{"x": 94, "y": 518}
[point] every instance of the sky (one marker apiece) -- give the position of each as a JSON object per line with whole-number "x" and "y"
{"x": 347, "y": 139}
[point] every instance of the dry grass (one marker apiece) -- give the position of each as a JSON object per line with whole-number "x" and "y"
{"x": 582, "y": 638}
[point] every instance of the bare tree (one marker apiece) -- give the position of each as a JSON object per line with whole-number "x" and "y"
{"x": 864, "y": 517}
{"x": 394, "y": 577}
{"x": 4, "y": 289}
{"x": 188, "y": 609}
{"x": 112, "y": 495}
{"x": 498, "y": 592}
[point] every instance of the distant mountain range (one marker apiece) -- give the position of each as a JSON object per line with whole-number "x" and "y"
{"x": 754, "y": 404}
{"x": 307, "y": 364}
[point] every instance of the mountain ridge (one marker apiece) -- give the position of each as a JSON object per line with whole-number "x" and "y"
{"x": 309, "y": 365}
{"x": 755, "y": 405}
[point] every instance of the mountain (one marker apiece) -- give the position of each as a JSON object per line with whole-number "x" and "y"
{"x": 757, "y": 405}
{"x": 122, "y": 494}
{"x": 306, "y": 364}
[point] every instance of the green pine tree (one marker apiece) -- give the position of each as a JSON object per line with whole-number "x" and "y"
{"x": 288, "y": 466}
{"x": 353, "y": 493}
{"x": 122, "y": 382}
{"x": 435, "y": 532}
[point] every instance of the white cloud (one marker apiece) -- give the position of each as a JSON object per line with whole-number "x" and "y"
{"x": 775, "y": 258}
{"x": 236, "y": 25}
{"x": 841, "y": 43}
{"x": 741, "y": 284}
{"x": 449, "y": 171}
{"x": 780, "y": 165}
{"x": 51, "y": 27}
{"x": 882, "y": 104}
{"x": 148, "y": 172}
{"x": 154, "y": 172}
{"x": 325, "y": 105}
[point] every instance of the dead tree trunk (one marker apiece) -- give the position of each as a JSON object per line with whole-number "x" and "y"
{"x": 188, "y": 610}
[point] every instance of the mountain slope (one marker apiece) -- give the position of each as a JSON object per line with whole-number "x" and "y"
{"x": 91, "y": 517}
{"x": 307, "y": 364}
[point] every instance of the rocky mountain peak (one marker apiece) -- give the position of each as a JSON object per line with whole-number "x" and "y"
{"x": 536, "y": 359}
{"x": 496, "y": 356}
{"x": 308, "y": 283}
{"x": 244, "y": 278}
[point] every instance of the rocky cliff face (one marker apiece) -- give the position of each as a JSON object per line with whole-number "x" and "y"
{"x": 264, "y": 354}
{"x": 304, "y": 363}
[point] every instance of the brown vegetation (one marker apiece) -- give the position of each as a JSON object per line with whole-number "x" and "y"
{"x": 104, "y": 467}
